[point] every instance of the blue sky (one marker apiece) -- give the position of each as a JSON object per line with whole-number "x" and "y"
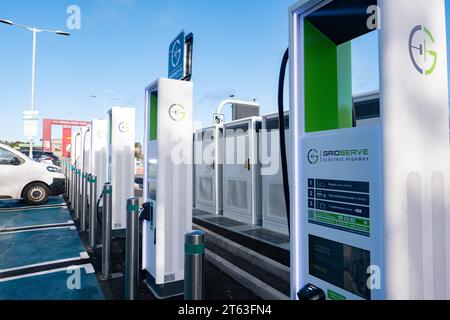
{"x": 123, "y": 46}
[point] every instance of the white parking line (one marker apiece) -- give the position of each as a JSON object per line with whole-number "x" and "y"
{"x": 89, "y": 269}
{"x": 38, "y": 227}
{"x": 80, "y": 257}
{"x": 57, "y": 206}
{"x": 43, "y": 229}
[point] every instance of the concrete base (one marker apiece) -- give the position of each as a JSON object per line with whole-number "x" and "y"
{"x": 164, "y": 291}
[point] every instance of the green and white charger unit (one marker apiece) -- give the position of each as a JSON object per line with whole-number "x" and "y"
{"x": 75, "y": 146}
{"x": 85, "y": 149}
{"x": 121, "y": 165}
{"x": 75, "y": 151}
{"x": 370, "y": 209}
{"x": 168, "y": 154}
{"x": 99, "y": 145}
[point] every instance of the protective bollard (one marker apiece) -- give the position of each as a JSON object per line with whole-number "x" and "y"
{"x": 84, "y": 201}
{"x": 132, "y": 250}
{"x": 92, "y": 211}
{"x": 194, "y": 283}
{"x": 72, "y": 188}
{"x": 77, "y": 195}
{"x": 106, "y": 230}
{"x": 67, "y": 175}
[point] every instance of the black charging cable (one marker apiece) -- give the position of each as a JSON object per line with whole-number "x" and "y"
{"x": 99, "y": 219}
{"x": 284, "y": 162}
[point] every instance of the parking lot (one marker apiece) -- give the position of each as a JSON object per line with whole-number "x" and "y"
{"x": 44, "y": 257}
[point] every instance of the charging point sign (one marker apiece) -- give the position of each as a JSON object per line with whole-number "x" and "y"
{"x": 176, "y": 57}
{"x": 219, "y": 119}
{"x": 30, "y": 124}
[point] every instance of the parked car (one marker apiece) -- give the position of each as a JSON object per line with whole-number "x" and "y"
{"x": 54, "y": 158}
{"x": 23, "y": 178}
{"x": 42, "y": 156}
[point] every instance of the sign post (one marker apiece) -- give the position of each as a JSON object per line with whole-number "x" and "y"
{"x": 30, "y": 127}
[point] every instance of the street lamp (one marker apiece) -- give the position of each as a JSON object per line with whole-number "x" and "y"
{"x": 33, "y": 71}
{"x": 8, "y": 22}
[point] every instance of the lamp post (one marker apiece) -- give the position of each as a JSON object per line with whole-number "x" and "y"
{"x": 33, "y": 70}
{"x": 105, "y": 101}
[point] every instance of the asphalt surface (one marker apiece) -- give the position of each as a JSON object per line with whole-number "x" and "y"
{"x": 218, "y": 286}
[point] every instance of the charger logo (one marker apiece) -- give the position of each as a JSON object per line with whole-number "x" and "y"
{"x": 313, "y": 156}
{"x": 124, "y": 127}
{"x": 177, "y": 112}
{"x": 421, "y": 42}
{"x": 343, "y": 155}
{"x": 176, "y": 53}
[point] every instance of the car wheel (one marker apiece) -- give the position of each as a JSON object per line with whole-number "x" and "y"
{"x": 36, "y": 194}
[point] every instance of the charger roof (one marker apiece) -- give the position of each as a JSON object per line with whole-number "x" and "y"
{"x": 343, "y": 20}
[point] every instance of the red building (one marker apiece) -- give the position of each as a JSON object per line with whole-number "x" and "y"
{"x": 67, "y": 126}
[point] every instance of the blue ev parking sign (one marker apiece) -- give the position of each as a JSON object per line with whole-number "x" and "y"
{"x": 176, "y": 57}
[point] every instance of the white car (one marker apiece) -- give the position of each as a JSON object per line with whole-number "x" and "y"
{"x": 23, "y": 178}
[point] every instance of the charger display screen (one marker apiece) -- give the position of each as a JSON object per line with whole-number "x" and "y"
{"x": 339, "y": 264}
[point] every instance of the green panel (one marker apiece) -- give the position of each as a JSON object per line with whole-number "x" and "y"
{"x": 153, "y": 116}
{"x": 320, "y": 81}
{"x": 350, "y": 223}
{"x": 328, "y": 82}
{"x": 192, "y": 249}
{"x": 345, "y": 97}
{"x": 335, "y": 296}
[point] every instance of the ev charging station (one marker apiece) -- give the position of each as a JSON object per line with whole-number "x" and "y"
{"x": 205, "y": 176}
{"x": 241, "y": 171}
{"x": 75, "y": 146}
{"x": 98, "y": 158}
{"x": 274, "y": 215}
{"x": 83, "y": 157}
{"x": 74, "y": 158}
{"x": 370, "y": 211}
{"x": 121, "y": 162}
{"x": 168, "y": 171}
{"x": 85, "y": 149}
{"x": 168, "y": 153}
